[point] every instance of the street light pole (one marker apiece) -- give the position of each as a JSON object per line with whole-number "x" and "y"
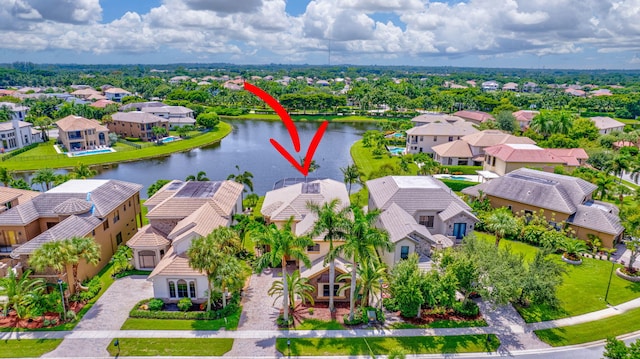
{"x": 609, "y": 284}
{"x": 64, "y": 306}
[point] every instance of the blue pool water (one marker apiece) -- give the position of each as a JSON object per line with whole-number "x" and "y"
{"x": 91, "y": 152}
{"x": 457, "y": 178}
{"x": 169, "y": 139}
{"x": 398, "y": 135}
{"x": 396, "y": 150}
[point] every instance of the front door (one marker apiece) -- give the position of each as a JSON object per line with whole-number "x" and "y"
{"x": 459, "y": 230}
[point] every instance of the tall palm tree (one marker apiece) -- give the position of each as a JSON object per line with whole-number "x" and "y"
{"x": 351, "y": 175}
{"x": 244, "y": 178}
{"x": 603, "y": 182}
{"x": 158, "y": 131}
{"x": 502, "y": 223}
{"x": 204, "y": 255}
{"x": 6, "y": 176}
{"x": 231, "y": 274}
{"x": 543, "y": 123}
{"x": 55, "y": 255}
{"x": 369, "y": 277}
{"x": 361, "y": 241}
{"x": 297, "y": 286}
{"x": 199, "y": 177}
{"x": 283, "y": 244}
{"x": 331, "y": 223}
{"x": 82, "y": 248}
{"x": 618, "y": 165}
{"x": 45, "y": 177}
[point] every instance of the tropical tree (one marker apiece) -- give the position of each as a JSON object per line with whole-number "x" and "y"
{"x": 19, "y": 290}
{"x": 204, "y": 255}
{"x": 6, "y": 176}
{"x": 5, "y": 113}
{"x": 618, "y": 165}
{"x": 155, "y": 187}
{"x": 55, "y": 255}
{"x": 122, "y": 259}
{"x": 351, "y": 175}
{"x": 20, "y": 183}
{"x": 45, "y": 177}
{"x": 502, "y": 223}
{"x": 297, "y": 286}
{"x": 82, "y": 249}
{"x": 199, "y": 177}
{"x": 82, "y": 171}
{"x": 231, "y": 275}
{"x": 361, "y": 241}
{"x": 370, "y": 276}
{"x": 43, "y": 123}
{"x": 244, "y": 178}
{"x": 603, "y": 183}
{"x": 283, "y": 244}
{"x": 158, "y": 131}
{"x": 572, "y": 248}
{"x": 330, "y": 223}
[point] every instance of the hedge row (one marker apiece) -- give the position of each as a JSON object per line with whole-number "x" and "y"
{"x": 18, "y": 151}
{"x": 231, "y": 308}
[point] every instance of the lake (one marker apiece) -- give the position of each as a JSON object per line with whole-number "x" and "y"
{"x": 248, "y": 146}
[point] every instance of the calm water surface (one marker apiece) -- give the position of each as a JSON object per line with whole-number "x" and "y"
{"x": 248, "y": 146}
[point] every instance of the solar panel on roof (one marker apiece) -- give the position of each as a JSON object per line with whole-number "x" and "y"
{"x": 175, "y": 186}
{"x": 196, "y": 189}
{"x": 286, "y": 182}
{"x": 313, "y": 188}
{"x": 534, "y": 179}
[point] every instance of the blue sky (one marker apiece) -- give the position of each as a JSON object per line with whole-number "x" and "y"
{"x": 582, "y": 34}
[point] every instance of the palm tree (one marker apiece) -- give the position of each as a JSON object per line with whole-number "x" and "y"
{"x": 283, "y": 244}
{"x": 573, "y": 248}
{"x": 5, "y": 113}
{"x": 361, "y": 241}
{"x": 82, "y": 171}
{"x": 82, "y": 248}
{"x": 370, "y": 276}
{"x": 43, "y": 123}
{"x": 158, "y": 131}
{"x": 618, "y": 165}
{"x": 351, "y": 175}
{"x": 244, "y": 178}
{"x": 204, "y": 255}
{"x": 55, "y": 255}
{"x": 199, "y": 177}
{"x": 331, "y": 223}
{"x": 603, "y": 182}
{"x": 19, "y": 289}
{"x": 502, "y": 223}
{"x": 231, "y": 274}
{"x": 45, "y": 177}
{"x": 543, "y": 123}
{"x": 297, "y": 286}
{"x": 313, "y": 166}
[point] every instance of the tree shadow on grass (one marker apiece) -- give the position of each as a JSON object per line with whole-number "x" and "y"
{"x": 554, "y": 337}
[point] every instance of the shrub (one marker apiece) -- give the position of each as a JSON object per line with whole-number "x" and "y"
{"x": 284, "y": 323}
{"x": 155, "y": 304}
{"x": 184, "y": 304}
{"x": 532, "y": 234}
{"x": 232, "y": 308}
{"x": 390, "y": 304}
{"x": 71, "y": 316}
{"x": 467, "y": 308}
{"x": 311, "y": 311}
{"x": 93, "y": 288}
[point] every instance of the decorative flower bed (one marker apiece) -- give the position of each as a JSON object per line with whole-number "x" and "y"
{"x": 624, "y": 274}
{"x": 571, "y": 260}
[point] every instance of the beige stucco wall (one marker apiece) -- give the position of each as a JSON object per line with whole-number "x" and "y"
{"x": 393, "y": 257}
{"x": 161, "y": 287}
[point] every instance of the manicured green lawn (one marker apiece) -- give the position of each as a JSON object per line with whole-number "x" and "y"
{"x": 182, "y": 324}
{"x": 363, "y": 157}
{"x": 443, "y": 324}
{"x": 591, "y": 331}
{"x": 583, "y": 289}
{"x": 316, "y": 324}
{"x": 383, "y": 345}
{"x": 170, "y": 347}
{"x": 518, "y": 247}
{"x": 40, "y": 156}
{"x": 27, "y": 348}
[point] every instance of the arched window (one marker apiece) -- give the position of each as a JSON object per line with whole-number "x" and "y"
{"x": 182, "y": 289}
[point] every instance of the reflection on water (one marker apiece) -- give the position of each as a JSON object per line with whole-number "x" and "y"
{"x": 247, "y": 146}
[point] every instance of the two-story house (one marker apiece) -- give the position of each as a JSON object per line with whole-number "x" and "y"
{"x": 420, "y": 213}
{"x": 116, "y": 94}
{"x": 137, "y": 124}
{"x": 469, "y": 150}
{"x": 79, "y": 133}
{"x": 502, "y": 159}
{"x": 178, "y": 116}
{"x": 562, "y": 198}
{"x": 290, "y": 201}
{"x": 179, "y": 213}
{"x": 423, "y": 138}
{"x": 106, "y": 210}
{"x": 17, "y": 133}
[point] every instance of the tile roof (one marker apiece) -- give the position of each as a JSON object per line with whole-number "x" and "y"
{"x": 105, "y": 196}
{"x": 148, "y": 237}
{"x": 540, "y": 189}
{"x": 202, "y": 222}
{"x": 400, "y": 224}
{"x": 571, "y": 155}
{"x": 523, "y": 153}
{"x": 8, "y": 125}
{"x": 78, "y": 123}
{"x": 173, "y": 264}
{"x": 80, "y": 226}
{"x": 101, "y": 103}
{"x": 453, "y": 210}
{"x": 525, "y": 115}
{"x": 488, "y": 138}
{"x": 475, "y": 116}
{"x": 137, "y": 117}
{"x": 412, "y": 193}
{"x": 460, "y": 128}
{"x": 318, "y": 266}
{"x": 597, "y": 219}
{"x": 604, "y": 123}
{"x": 8, "y": 194}
{"x": 116, "y": 90}
{"x": 458, "y": 148}
{"x": 435, "y": 117}
{"x": 282, "y": 203}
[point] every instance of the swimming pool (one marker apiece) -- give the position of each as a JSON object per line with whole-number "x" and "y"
{"x": 398, "y": 135}
{"x": 169, "y": 139}
{"x": 90, "y": 152}
{"x": 396, "y": 150}
{"x": 457, "y": 178}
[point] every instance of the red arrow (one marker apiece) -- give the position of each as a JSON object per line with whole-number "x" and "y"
{"x": 293, "y": 131}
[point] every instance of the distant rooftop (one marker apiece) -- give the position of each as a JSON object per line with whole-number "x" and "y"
{"x": 415, "y": 182}
{"x": 78, "y": 186}
{"x": 523, "y": 146}
{"x": 286, "y": 182}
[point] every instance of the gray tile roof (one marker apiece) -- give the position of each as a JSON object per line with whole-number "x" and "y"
{"x": 453, "y": 210}
{"x": 105, "y": 196}
{"x": 541, "y": 189}
{"x": 400, "y": 224}
{"x": 137, "y": 117}
{"x": 596, "y": 219}
{"x": 412, "y": 193}
{"x": 71, "y": 226}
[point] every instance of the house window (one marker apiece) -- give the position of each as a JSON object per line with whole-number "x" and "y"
{"x": 404, "y": 252}
{"x": 192, "y": 289}
{"x": 119, "y": 238}
{"x": 147, "y": 259}
{"x": 116, "y": 217}
{"x": 326, "y": 287}
{"x": 182, "y": 289}
{"x": 450, "y": 138}
{"x": 105, "y": 224}
{"x": 435, "y": 138}
{"x": 493, "y": 161}
{"x": 172, "y": 289}
{"x": 314, "y": 248}
{"x": 426, "y": 221}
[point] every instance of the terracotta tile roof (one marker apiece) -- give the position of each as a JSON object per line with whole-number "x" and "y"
{"x": 102, "y": 103}
{"x": 202, "y": 222}
{"x": 523, "y": 153}
{"x": 116, "y": 90}
{"x": 475, "y": 116}
{"x": 78, "y": 123}
{"x": 571, "y": 155}
{"x": 458, "y": 148}
{"x": 148, "y": 237}
{"x": 8, "y": 194}
{"x": 488, "y": 138}
{"x": 525, "y": 115}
